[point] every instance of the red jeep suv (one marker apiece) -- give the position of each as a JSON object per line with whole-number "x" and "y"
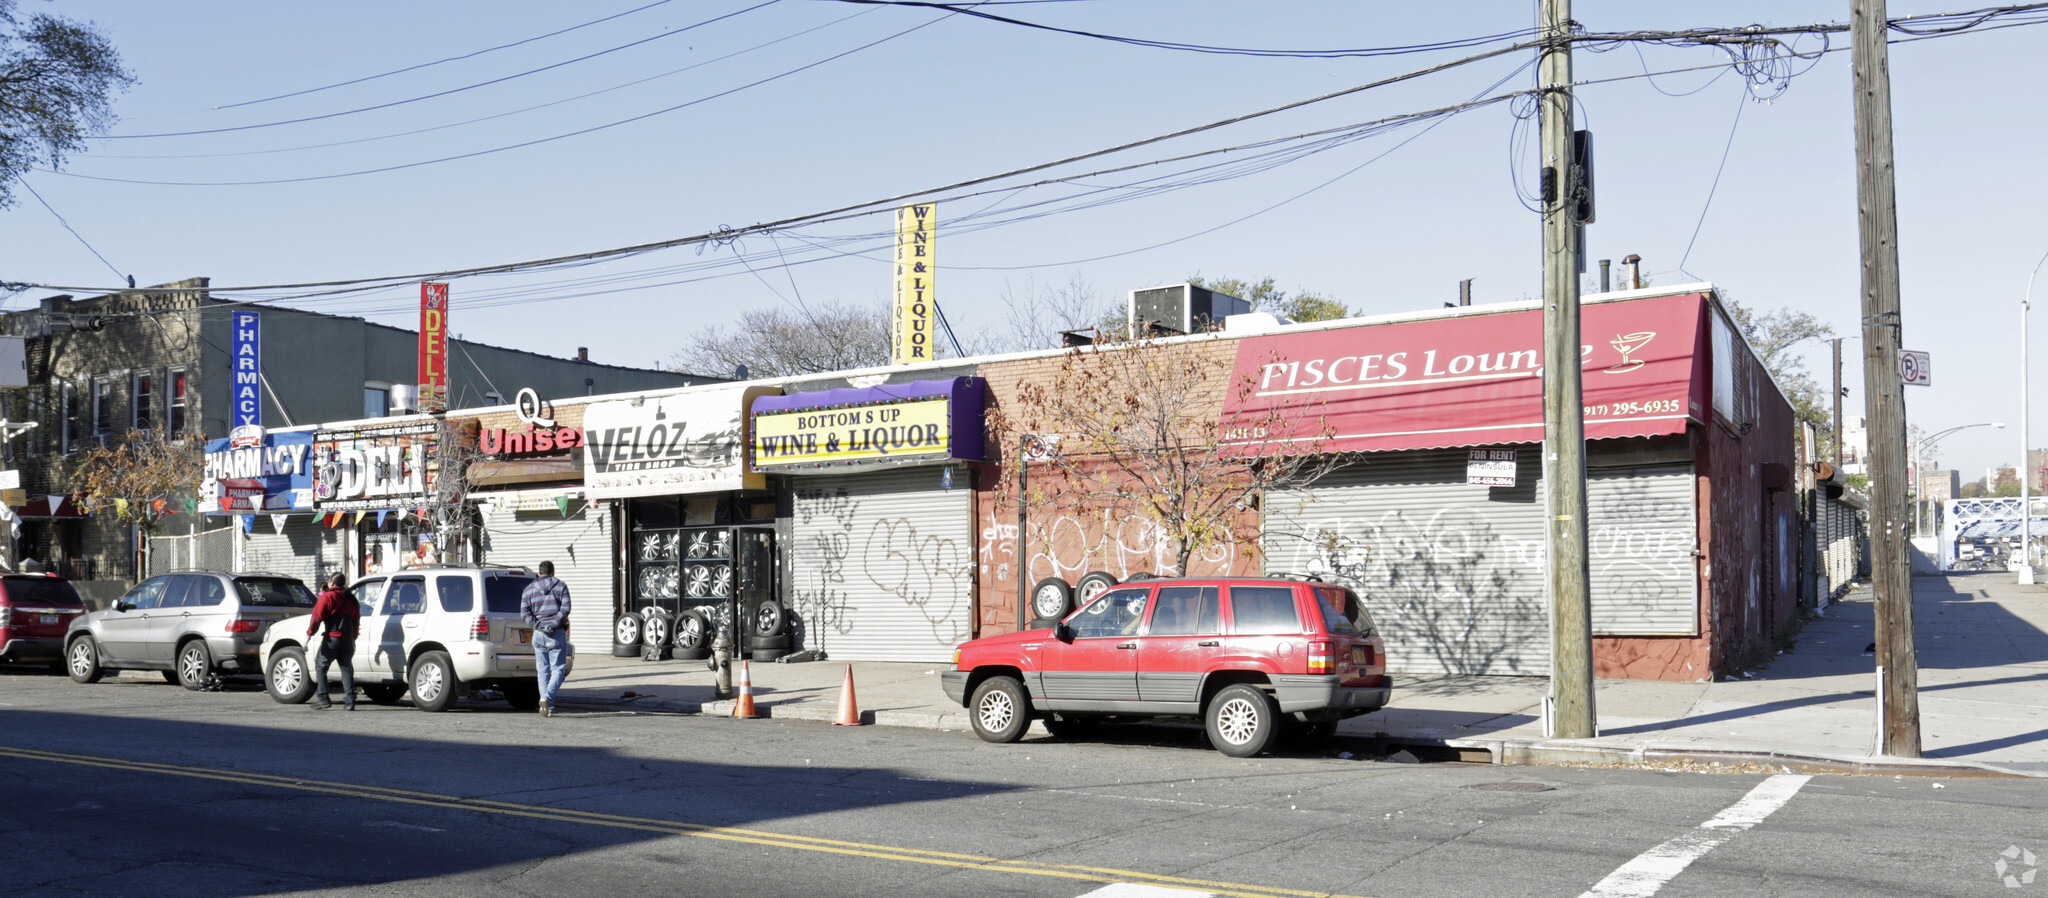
{"x": 35, "y": 610}
{"x": 1250, "y": 657}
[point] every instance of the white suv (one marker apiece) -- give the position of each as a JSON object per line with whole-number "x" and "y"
{"x": 440, "y": 630}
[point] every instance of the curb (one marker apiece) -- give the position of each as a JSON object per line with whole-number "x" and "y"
{"x": 1539, "y": 752}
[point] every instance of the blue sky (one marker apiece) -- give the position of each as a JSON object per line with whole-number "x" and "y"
{"x": 794, "y": 107}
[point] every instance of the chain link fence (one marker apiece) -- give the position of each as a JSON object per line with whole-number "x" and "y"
{"x": 205, "y": 550}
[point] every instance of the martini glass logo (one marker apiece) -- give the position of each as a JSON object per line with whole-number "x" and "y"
{"x": 1626, "y": 344}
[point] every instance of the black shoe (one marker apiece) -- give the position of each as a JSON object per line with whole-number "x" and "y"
{"x": 349, "y": 707}
{"x": 322, "y": 704}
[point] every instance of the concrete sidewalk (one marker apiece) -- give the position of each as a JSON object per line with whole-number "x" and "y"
{"x": 1983, "y": 644}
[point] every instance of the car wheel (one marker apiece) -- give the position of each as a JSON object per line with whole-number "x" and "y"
{"x": 82, "y": 661}
{"x": 195, "y": 664}
{"x": 433, "y": 682}
{"x": 1051, "y": 599}
{"x": 769, "y": 618}
{"x": 654, "y": 627}
{"x": 1091, "y": 585}
{"x": 1067, "y": 726}
{"x": 999, "y": 710}
{"x": 384, "y": 694}
{"x": 523, "y": 695}
{"x": 626, "y": 636}
{"x": 692, "y": 632}
{"x": 1240, "y": 721}
{"x": 289, "y": 680}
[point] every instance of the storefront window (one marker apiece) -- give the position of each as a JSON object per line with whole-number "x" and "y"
{"x": 687, "y": 555}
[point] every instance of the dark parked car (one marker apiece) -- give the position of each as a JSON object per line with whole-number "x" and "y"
{"x": 1253, "y": 658}
{"x": 35, "y": 610}
{"x": 188, "y": 624}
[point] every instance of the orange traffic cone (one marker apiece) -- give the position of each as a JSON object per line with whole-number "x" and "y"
{"x": 745, "y": 706}
{"x": 849, "y": 710}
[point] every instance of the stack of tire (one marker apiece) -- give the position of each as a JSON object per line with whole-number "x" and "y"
{"x": 768, "y": 636}
{"x": 657, "y": 635}
{"x": 1051, "y": 598}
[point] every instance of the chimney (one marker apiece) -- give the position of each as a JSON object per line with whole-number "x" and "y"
{"x": 1465, "y": 292}
{"x": 1604, "y": 269}
{"x": 582, "y": 353}
{"x": 1635, "y": 271}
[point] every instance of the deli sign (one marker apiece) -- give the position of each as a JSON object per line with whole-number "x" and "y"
{"x": 385, "y": 467}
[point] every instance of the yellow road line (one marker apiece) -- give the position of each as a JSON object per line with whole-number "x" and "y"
{"x": 670, "y": 827}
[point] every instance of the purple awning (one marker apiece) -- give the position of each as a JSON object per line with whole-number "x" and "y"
{"x": 919, "y": 422}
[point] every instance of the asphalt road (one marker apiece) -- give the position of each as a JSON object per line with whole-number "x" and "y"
{"x": 137, "y": 787}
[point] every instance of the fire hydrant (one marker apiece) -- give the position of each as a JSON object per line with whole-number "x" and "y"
{"x": 721, "y": 662}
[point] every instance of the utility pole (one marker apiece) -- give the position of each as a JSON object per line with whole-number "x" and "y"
{"x": 1891, "y": 576}
{"x": 1838, "y": 403}
{"x": 1564, "y": 418}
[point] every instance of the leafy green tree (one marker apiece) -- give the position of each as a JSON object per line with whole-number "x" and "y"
{"x": 57, "y": 78}
{"x": 1300, "y": 305}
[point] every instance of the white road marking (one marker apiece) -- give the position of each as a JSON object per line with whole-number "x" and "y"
{"x": 1134, "y": 890}
{"x": 1642, "y": 877}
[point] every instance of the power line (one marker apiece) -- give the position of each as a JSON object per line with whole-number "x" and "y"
{"x": 444, "y": 93}
{"x": 67, "y": 226}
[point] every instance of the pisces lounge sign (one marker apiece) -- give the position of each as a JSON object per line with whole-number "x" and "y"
{"x": 894, "y": 424}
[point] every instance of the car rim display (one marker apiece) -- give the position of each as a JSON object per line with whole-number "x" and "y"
{"x": 1048, "y": 602}
{"x": 429, "y": 685}
{"x": 657, "y": 630}
{"x": 996, "y": 712}
{"x": 1236, "y": 721}
{"x": 629, "y": 630}
{"x": 192, "y": 664}
{"x": 689, "y": 631}
{"x": 285, "y": 675}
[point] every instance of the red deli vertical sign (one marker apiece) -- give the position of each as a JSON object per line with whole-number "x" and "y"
{"x": 1469, "y": 381}
{"x": 433, "y": 348}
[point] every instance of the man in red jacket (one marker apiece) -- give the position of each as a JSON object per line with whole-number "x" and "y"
{"x": 342, "y": 619}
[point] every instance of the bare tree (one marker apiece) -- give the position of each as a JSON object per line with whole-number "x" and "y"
{"x": 1039, "y": 313}
{"x": 132, "y": 480}
{"x": 1136, "y": 428}
{"x": 57, "y": 78}
{"x": 776, "y": 342}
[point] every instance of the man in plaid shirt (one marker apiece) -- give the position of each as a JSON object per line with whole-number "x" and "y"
{"x": 545, "y": 607}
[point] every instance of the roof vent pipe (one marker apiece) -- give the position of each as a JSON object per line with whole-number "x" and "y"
{"x": 1604, "y": 268}
{"x": 1635, "y": 271}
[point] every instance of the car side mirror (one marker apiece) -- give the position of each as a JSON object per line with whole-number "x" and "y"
{"x": 123, "y": 606}
{"x": 1062, "y": 632}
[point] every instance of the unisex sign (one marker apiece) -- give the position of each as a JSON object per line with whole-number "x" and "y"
{"x": 254, "y": 470}
{"x": 669, "y": 445}
{"x": 247, "y": 346}
{"x": 385, "y": 467}
{"x": 1468, "y": 381}
{"x": 926, "y": 420}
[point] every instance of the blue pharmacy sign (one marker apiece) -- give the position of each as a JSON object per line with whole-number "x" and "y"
{"x": 248, "y": 369}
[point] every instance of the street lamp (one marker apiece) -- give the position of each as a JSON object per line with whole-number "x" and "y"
{"x": 2026, "y": 466}
{"x": 1920, "y": 477}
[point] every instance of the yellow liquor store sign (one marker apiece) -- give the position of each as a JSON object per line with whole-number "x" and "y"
{"x": 924, "y": 421}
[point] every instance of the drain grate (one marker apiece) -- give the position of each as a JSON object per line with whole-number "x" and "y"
{"x": 1509, "y": 787}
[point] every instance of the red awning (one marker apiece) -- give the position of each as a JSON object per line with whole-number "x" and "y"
{"x": 1469, "y": 381}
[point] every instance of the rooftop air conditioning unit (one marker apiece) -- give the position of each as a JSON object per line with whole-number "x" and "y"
{"x": 1183, "y": 308}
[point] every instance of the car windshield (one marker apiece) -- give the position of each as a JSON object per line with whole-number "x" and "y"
{"x": 281, "y": 592}
{"x": 501, "y": 592}
{"x": 42, "y": 592}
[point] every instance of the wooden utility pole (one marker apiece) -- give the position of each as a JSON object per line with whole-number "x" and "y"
{"x": 1891, "y": 574}
{"x": 1838, "y": 404}
{"x": 1564, "y": 418}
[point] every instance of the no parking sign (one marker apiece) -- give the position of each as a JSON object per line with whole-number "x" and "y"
{"x": 1914, "y": 367}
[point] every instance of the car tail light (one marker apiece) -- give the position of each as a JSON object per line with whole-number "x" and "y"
{"x": 1322, "y": 656}
{"x": 481, "y": 629}
{"x": 243, "y": 625}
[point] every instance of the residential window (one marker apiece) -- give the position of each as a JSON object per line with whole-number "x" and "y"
{"x": 68, "y": 419}
{"x": 494, "y": 398}
{"x": 143, "y": 409}
{"x": 176, "y": 401}
{"x": 104, "y": 399}
{"x": 376, "y": 401}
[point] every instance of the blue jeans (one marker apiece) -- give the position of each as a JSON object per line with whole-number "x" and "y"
{"x": 551, "y": 658}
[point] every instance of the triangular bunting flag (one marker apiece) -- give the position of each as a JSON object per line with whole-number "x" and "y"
{"x": 330, "y": 518}
{"x": 277, "y": 522}
{"x": 358, "y": 518}
{"x": 157, "y": 506}
{"x": 562, "y": 505}
{"x": 192, "y": 506}
{"x": 121, "y": 507}
{"x": 55, "y": 502}
{"x": 248, "y": 522}
{"x": 381, "y": 512}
